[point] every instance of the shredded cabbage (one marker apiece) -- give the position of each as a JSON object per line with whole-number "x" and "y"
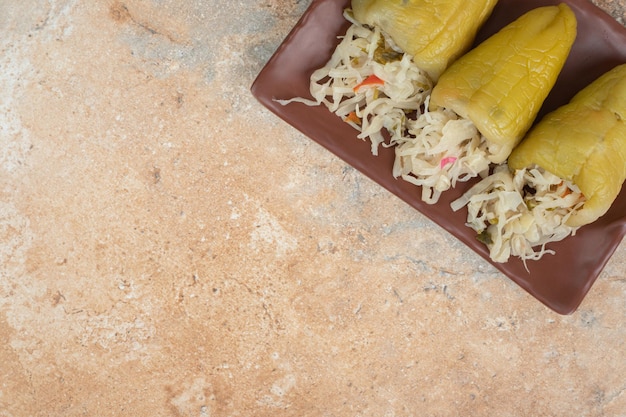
{"x": 361, "y": 53}
{"x": 518, "y": 213}
{"x": 435, "y": 149}
{"x": 440, "y": 149}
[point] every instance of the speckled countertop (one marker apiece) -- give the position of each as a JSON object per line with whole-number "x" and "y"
{"x": 170, "y": 248}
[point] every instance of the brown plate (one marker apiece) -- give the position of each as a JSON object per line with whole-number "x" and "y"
{"x": 560, "y": 281}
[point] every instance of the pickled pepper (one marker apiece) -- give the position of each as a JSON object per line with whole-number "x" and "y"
{"x": 435, "y": 33}
{"x": 584, "y": 142}
{"x": 501, "y": 84}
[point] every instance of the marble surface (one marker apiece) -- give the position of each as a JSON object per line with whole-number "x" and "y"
{"x": 170, "y": 248}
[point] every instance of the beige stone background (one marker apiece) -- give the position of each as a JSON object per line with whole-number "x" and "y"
{"x": 170, "y": 248}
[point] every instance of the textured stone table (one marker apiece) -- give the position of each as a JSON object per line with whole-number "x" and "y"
{"x": 170, "y": 248}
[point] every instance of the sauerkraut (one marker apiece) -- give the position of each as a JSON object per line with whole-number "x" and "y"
{"x": 518, "y": 213}
{"x": 440, "y": 149}
{"x": 377, "y": 88}
{"x": 370, "y": 83}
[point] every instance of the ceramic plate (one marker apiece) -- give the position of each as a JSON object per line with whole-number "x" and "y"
{"x": 559, "y": 281}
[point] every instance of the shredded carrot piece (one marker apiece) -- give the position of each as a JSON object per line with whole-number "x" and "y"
{"x": 352, "y": 117}
{"x": 566, "y": 190}
{"x": 371, "y": 81}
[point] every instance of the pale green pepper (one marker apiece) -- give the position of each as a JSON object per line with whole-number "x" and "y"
{"x": 584, "y": 142}
{"x": 501, "y": 84}
{"x": 434, "y": 32}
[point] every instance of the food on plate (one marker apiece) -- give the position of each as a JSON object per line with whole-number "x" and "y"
{"x": 376, "y": 85}
{"x": 440, "y": 149}
{"x": 566, "y": 173}
{"x": 434, "y": 33}
{"x": 501, "y": 85}
{"x": 584, "y": 142}
{"x": 370, "y": 83}
{"x": 484, "y": 103}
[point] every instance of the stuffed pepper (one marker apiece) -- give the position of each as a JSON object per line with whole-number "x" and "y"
{"x": 384, "y": 67}
{"x": 485, "y": 102}
{"x": 566, "y": 173}
{"x": 434, "y": 33}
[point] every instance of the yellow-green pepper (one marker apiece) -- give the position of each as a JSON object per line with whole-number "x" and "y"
{"x": 584, "y": 142}
{"x": 434, "y": 32}
{"x": 501, "y": 84}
